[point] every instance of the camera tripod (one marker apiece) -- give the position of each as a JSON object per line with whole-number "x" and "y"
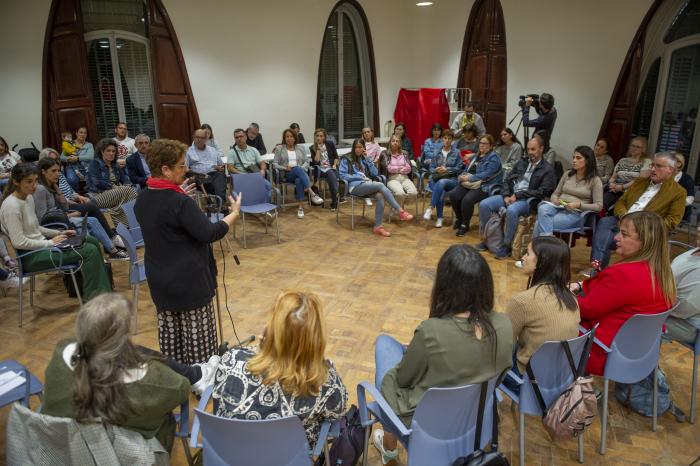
{"x": 526, "y": 130}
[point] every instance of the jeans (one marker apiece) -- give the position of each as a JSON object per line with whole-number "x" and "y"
{"x": 72, "y": 175}
{"x": 463, "y": 201}
{"x": 92, "y": 210}
{"x": 96, "y": 230}
{"x": 4, "y": 182}
{"x": 388, "y": 352}
{"x": 604, "y": 240}
{"x": 549, "y": 219}
{"x": 439, "y": 188}
{"x": 381, "y": 192}
{"x": 683, "y": 330}
{"x": 517, "y": 209}
{"x": 300, "y": 178}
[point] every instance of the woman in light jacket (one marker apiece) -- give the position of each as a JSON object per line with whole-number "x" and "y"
{"x": 292, "y": 165}
{"x": 396, "y": 166}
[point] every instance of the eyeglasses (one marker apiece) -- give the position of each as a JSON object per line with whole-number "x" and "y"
{"x": 659, "y": 165}
{"x": 636, "y": 146}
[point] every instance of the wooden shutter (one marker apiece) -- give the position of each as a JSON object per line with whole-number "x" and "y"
{"x": 67, "y": 96}
{"x": 176, "y": 111}
{"x": 484, "y": 63}
{"x": 619, "y": 117}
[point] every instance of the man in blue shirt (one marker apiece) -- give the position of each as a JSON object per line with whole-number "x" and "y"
{"x": 136, "y": 165}
{"x": 204, "y": 160}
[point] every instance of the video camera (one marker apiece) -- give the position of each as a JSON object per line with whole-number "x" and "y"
{"x": 198, "y": 179}
{"x": 535, "y": 99}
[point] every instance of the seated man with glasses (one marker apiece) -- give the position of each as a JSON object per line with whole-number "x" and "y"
{"x": 203, "y": 159}
{"x": 659, "y": 193}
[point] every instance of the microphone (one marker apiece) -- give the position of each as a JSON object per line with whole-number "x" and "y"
{"x": 246, "y": 342}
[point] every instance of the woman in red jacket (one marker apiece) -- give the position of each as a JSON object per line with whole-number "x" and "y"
{"x": 641, "y": 283}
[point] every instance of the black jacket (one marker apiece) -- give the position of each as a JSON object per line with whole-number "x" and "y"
{"x": 257, "y": 143}
{"x": 135, "y": 170}
{"x": 542, "y": 183}
{"x": 330, "y": 149}
{"x": 179, "y": 260}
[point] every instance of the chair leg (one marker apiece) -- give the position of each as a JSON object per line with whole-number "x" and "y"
{"x": 244, "y": 239}
{"x": 580, "y": 448}
{"x": 21, "y": 300}
{"x": 693, "y": 390}
{"x": 135, "y": 305}
{"x": 604, "y": 418}
{"x": 277, "y": 225}
{"x": 368, "y": 431}
{"x": 188, "y": 453}
{"x": 352, "y": 215}
{"x": 31, "y": 291}
{"x": 77, "y": 289}
{"x": 521, "y": 437}
{"x": 654, "y": 396}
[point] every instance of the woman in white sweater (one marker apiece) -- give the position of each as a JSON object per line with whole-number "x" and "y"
{"x": 19, "y": 222}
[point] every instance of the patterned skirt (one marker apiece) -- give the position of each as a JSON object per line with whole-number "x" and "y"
{"x": 189, "y": 336}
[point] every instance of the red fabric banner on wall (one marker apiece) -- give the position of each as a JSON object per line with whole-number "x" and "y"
{"x": 419, "y": 110}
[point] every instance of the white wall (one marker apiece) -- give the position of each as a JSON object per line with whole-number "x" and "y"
{"x": 259, "y": 61}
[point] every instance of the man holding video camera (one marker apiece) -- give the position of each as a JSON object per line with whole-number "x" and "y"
{"x": 547, "y": 114}
{"x": 203, "y": 161}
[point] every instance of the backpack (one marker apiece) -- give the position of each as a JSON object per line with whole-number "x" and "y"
{"x": 638, "y": 396}
{"x": 493, "y": 230}
{"x": 347, "y": 448}
{"x": 574, "y": 410}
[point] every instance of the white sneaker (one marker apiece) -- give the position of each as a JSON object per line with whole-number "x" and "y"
{"x": 428, "y": 213}
{"x": 368, "y": 201}
{"x": 300, "y": 213}
{"x": 118, "y": 242}
{"x": 518, "y": 264}
{"x": 378, "y": 442}
{"x": 12, "y": 282}
{"x": 438, "y": 223}
{"x": 316, "y": 199}
{"x": 208, "y": 373}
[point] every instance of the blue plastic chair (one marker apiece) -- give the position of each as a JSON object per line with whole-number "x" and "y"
{"x": 59, "y": 266}
{"x": 134, "y": 227}
{"x": 24, "y": 391}
{"x": 252, "y": 187}
{"x": 443, "y": 426}
{"x": 232, "y": 441}
{"x": 553, "y": 374}
{"x": 137, "y": 269}
{"x": 632, "y": 356}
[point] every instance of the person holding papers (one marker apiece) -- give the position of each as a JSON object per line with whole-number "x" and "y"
{"x": 579, "y": 190}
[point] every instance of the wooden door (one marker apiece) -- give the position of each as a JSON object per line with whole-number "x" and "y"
{"x": 483, "y": 68}
{"x": 67, "y": 95}
{"x": 619, "y": 117}
{"x": 176, "y": 111}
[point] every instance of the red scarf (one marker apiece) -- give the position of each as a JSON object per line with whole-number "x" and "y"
{"x": 162, "y": 183}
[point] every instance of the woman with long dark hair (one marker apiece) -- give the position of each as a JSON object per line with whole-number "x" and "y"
{"x": 108, "y": 184}
{"x": 579, "y": 190}
{"x": 359, "y": 173}
{"x": 324, "y": 159}
{"x": 547, "y": 310}
{"x": 462, "y": 342}
{"x": 400, "y": 131}
{"x": 20, "y": 223}
{"x": 103, "y": 374}
{"x": 431, "y": 146}
{"x": 509, "y": 149}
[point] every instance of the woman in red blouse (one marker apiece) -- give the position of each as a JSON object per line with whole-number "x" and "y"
{"x": 641, "y": 283}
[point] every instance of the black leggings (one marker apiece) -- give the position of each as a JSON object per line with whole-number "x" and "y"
{"x": 463, "y": 201}
{"x": 332, "y": 180}
{"x": 192, "y": 373}
{"x": 92, "y": 210}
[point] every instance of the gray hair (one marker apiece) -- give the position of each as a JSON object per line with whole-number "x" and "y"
{"x": 142, "y": 136}
{"x": 669, "y": 156}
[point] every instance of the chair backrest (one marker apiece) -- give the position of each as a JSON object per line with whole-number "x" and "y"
{"x": 134, "y": 226}
{"x": 635, "y": 348}
{"x": 131, "y": 250}
{"x": 552, "y": 372}
{"x": 444, "y": 424}
{"x": 252, "y": 186}
{"x": 279, "y": 442}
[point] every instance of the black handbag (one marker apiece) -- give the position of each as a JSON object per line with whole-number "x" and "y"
{"x": 480, "y": 457}
{"x": 439, "y": 176}
{"x": 55, "y": 216}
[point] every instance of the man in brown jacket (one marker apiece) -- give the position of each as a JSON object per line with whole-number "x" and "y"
{"x": 659, "y": 194}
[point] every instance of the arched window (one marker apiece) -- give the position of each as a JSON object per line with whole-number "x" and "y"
{"x": 484, "y": 68}
{"x": 115, "y": 60}
{"x": 346, "y": 97}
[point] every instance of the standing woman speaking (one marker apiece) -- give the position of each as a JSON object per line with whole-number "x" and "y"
{"x": 179, "y": 259}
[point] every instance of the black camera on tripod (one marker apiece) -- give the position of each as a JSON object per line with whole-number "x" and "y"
{"x": 197, "y": 178}
{"x": 535, "y": 99}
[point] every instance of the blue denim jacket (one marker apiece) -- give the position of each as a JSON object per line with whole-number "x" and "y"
{"x": 453, "y": 162}
{"x": 353, "y": 178}
{"x": 488, "y": 170}
{"x": 98, "y": 176}
{"x": 428, "y": 151}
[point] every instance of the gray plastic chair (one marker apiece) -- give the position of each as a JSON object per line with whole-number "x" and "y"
{"x": 632, "y": 356}
{"x": 553, "y": 374}
{"x": 254, "y": 201}
{"x": 443, "y": 426}
{"x": 137, "y": 270}
{"x": 587, "y": 223}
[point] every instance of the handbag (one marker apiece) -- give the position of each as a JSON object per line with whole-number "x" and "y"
{"x": 480, "y": 457}
{"x": 55, "y": 216}
{"x": 438, "y": 176}
{"x": 348, "y": 446}
{"x": 249, "y": 168}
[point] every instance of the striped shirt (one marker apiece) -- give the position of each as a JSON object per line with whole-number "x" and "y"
{"x": 65, "y": 187}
